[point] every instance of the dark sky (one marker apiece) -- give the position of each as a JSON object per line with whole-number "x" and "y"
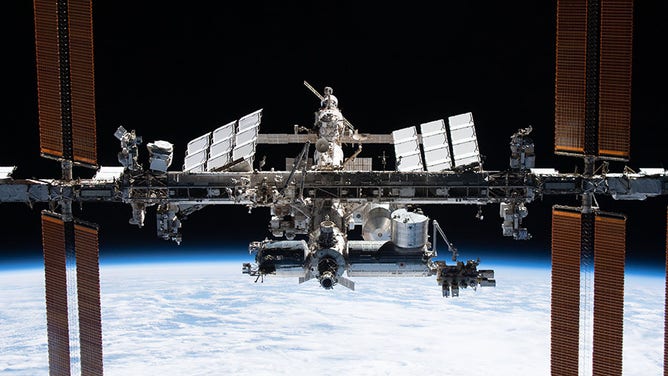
{"x": 176, "y": 72}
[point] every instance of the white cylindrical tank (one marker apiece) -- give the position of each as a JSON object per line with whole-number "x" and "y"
{"x": 409, "y": 229}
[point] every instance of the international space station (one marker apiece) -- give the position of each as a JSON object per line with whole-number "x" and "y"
{"x": 324, "y": 194}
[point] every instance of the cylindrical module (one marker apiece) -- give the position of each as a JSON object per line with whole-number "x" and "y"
{"x": 409, "y": 229}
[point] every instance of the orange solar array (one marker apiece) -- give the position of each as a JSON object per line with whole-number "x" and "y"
{"x": 84, "y": 147}
{"x": 66, "y": 103}
{"x": 565, "y": 320}
{"x": 48, "y": 78}
{"x": 609, "y": 252}
{"x": 53, "y": 242}
{"x": 570, "y": 76}
{"x": 615, "y": 78}
{"x": 88, "y": 290}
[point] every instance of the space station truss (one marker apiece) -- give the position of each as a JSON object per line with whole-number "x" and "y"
{"x": 437, "y": 146}
{"x": 228, "y": 144}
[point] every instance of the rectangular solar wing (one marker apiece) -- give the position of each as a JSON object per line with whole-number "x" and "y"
{"x": 435, "y": 145}
{"x": 48, "y": 78}
{"x": 216, "y": 162}
{"x": 224, "y": 132}
{"x": 570, "y": 77}
{"x": 221, "y": 147}
{"x": 84, "y": 145}
{"x": 250, "y": 120}
{"x": 55, "y": 273}
{"x": 88, "y": 292}
{"x": 246, "y": 151}
{"x": 195, "y": 162}
{"x": 565, "y": 320}
{"x": 198, "y": 144}
{"x": 615, "y": 78}
{"x": 245, "y": 140}
{"x": 609, "y": 253}
{"x": 246, "y": 136}
{"x": 407, "y": 150}
{"x": 464, "y": 140}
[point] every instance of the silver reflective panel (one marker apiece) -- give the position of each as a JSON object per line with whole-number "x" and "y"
{"x": 407, "y": 150}
{"x": 435, "y": 144}
{"x": 217, "y": 162}
{"x": 224, "y": 132}
{"x": 196, "y": 161}
{"x": 464, "y": 141}
{"x": 201, "y": 142}
{"x": 246, "y": 136}
{"x": 250, "y": 120}
{"x": 244, "y": 151}
{"x": 221, "y": 147}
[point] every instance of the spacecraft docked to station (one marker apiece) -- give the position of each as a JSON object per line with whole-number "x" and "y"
{"x": 322, "y": 197}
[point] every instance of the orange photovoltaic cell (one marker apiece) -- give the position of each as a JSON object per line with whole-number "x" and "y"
{"x": 570, "y": 76}
{"x": 88, "y": 290}
{"x": 84, "y": 145}
{"x": 55, "y": 272}
{"x": 615, "y": 78}
{"x": 609, "y": 253}
{"x": 565, "y": 320}
{"x": 48, "y": 78}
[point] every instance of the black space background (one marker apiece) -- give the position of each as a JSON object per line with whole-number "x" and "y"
{"x": 176, "y": 72}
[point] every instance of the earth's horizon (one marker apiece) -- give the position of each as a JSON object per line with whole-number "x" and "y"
{"x": 201, "y": 316}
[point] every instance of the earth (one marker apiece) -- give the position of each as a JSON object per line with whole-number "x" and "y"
{"x": 204, "y": 317}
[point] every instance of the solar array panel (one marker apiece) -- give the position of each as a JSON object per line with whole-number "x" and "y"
{"x": 84, "y": 146}
{"x": 55, "y": 273}
{"x": 233, "y": 141}
{"x": 65, "y": 80}
{"x": 199, "y": 143}
{"x": 407, "y": 150}
{"x": 246, "y": 137}
{"x": 570, "y": 76}
{"x": 48, "y": 78}
{"x": 565, "y": 313}
{"x": 609, "y": 115}
{"x": 614, "y": 132}
{"x": 464, "y": 140}
{"x": 436, "y": 146}
{"x": 609, "y": 253}
{"x": 88, "y": 293}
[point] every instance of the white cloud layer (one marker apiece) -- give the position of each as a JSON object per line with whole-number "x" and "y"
{"x": 209, "y": 319}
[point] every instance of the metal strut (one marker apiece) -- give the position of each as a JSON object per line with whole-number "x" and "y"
{"x": 302, "y": 156}
{"x": 451, "y": 247}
